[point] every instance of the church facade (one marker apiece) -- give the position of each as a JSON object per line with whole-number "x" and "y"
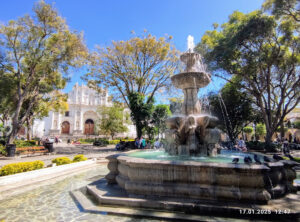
{"x": 81, "y": 118}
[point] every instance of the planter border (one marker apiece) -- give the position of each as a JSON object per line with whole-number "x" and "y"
{"x": 21, "y": 182}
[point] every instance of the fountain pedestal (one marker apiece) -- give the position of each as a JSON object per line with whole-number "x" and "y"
{"x": 192, "y": 133}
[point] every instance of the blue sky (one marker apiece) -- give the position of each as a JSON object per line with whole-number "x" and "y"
{"x": 105, "y": 20}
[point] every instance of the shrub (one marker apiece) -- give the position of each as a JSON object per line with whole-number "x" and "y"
{"x": 61, "y": 160}
{"x": 260, "y": 129}
{"x": 257, "y": 145}
{"x": 248, "y": 129}
{"x": 23, "y": 143}
{"x": 14, "y": 168}
{"x": 297, "y": 124}
{"x": 88, "y": 140}
{"x": 2, "y": 150}
{"x": 118, "y": 141}
{"x": 79, "y": 157}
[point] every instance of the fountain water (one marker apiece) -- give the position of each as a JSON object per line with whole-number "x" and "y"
{"x": 193, "y": 133}
{"x": 190, "y": 169}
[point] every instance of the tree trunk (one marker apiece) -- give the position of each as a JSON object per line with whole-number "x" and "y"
{"x": 281, "y": 129}
{"x": 14, "y": 132}
{"x": 268, "y": 142}
{"x": 138, "y": 130}
{"x": 29, "y": 126}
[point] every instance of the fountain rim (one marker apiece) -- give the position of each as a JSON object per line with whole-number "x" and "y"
{"x": 207, "y": 79}
{"x": 189, "y": 53}
{"x": 241, "y": 166}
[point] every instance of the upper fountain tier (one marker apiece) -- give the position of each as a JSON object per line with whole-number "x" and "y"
{"x": 194, "y": 75}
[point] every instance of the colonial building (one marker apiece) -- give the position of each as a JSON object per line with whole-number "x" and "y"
{"x": 81, "y": 118}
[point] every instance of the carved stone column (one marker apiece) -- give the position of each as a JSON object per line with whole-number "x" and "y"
{"x": 191, "y": 104}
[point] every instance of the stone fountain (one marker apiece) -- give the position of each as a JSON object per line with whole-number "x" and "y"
{"x": 192, "y": 133}
{"x": 185, "y": 184}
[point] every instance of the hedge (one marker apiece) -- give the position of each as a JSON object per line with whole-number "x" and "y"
{"x": 14, "y": 168}
{"x": 61, "y": 160}
{"x": 25, "y": 143}
{"x": 257, "y": 145}
{"x": 66, "y": 160}
{"x": 79, "y": 157}
{"x": 118, "y": 141}
{"x": 3, "y": 150}
{"x": 104, "y": 141}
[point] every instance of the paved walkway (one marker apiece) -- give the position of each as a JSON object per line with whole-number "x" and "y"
{"x": 69, "y": 150}
{"x": 63, "y": 149}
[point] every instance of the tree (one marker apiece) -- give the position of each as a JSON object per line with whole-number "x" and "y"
{"x": 7, "y": 93}
{"x": 233, "y": 107}
{"x": 297, "y": 124}
{"x": 141, "y": 111}
{"x": 160, "y": 114}
{"x": 248, "y": 130}
{"x": 141, "y": 65}
{"x": 56, "y": 101}
{"x": 288, "y": 9}
{"x": 37, "y": 51}
{"x": 260, "y": 129}
{"x": 112, "y": 120}
{"x": 264, "y": 53}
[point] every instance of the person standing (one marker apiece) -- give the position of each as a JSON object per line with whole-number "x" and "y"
{"x": 157, "y": 144}
{"x": 286, "y": 146}
{"x": 143, "y": 143}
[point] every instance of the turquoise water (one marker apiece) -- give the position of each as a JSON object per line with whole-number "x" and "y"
{"x": 226, "y": 156}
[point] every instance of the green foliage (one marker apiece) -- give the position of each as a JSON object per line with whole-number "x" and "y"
{"x": 3, "y": 150}
{"x": 233, "y": 107}
{"x": 141, "y": 65}
{"x": 25, "y": 143}
{"x": 261, "y": 146}
{"x": 118, "y": 141}
{"x": 141, "y": 110}
{"x": 260, "y": 129}
{"x": 14, "y": 168}
{"x": 61, "y": 160}
{"x": 102, "y": 141}
{"x": 248, "y": 129}
{"x": 160, "y": 114}
{"x": 37, "y": 51}
{"x": 297, "y": 124}
{"x": 264, "y": 53}
{"x": 285, "y": 129}
{"x": 113, "y": 120}
{"x": 86, "y": 140}
{"x": 285, "y": 9}
{"x": 79, "y": 157}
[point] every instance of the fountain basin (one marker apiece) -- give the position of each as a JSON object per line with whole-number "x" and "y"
{"x": 187, "y": 80}
{"x": 202, "y": 180}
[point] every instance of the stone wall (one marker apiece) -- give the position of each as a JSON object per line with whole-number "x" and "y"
{"x": 199, "y": 180}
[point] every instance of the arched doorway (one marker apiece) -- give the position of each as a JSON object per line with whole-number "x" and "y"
{"x": 89, "y": 127}
{"x": 65, "y": 127}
